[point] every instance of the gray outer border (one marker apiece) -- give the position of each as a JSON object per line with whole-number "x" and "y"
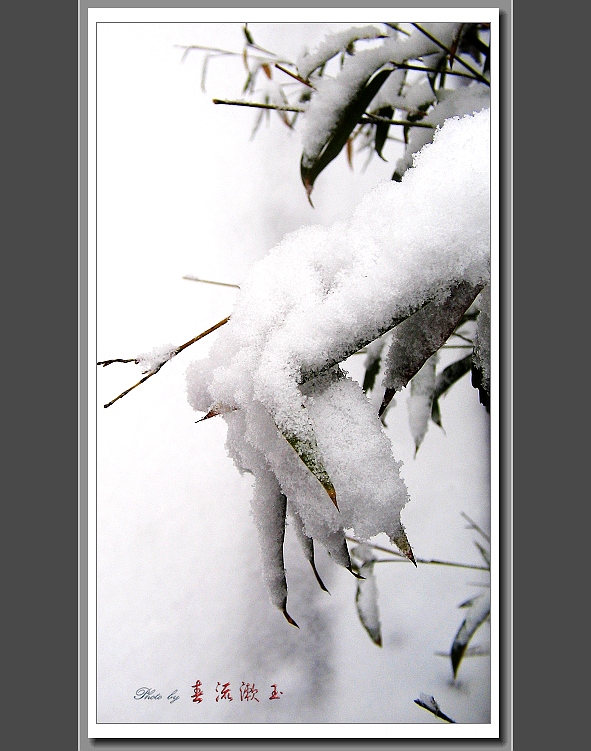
{"x": 506, "y": 480}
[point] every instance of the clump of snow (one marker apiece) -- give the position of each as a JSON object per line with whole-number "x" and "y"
{"x": 462, "y": 101}
{"x": 149, "y": 361}
{"x": 316, "y": 298}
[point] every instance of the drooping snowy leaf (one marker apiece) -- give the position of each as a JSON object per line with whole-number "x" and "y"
{"x": 269, "y": 507}
{"x": 420, "y": 401}
{"x": 366, "y": 600}
{"x": 345, "y": 122}
{"x": 422, "y": 334}
{"x": 448, "y": 376}
{"x": 478, "y": 614}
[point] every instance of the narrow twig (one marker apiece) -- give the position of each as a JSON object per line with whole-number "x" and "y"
{"x": 401, "y": 558}
{"x": 407, "y": 123}
{"x": 260, "y": 105}
{"x": 434, "y": 709}
{"x": 423, "y": 69}
{"x": 295, "y": 75}
{"x": 104, "y": 363}
{"x": 286, "y": 108}
{"x": 459, "y": 60}
{"x": 174, "y": 354}
{"x": 208, "y": 281}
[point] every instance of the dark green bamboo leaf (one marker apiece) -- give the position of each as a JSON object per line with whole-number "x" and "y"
{"x": 366, "y": 601}
{"x": 347, "y": 120}
{"x": 436, "y": 413}
{"x": 248, "y": 35}
{"x": 479, "y": 614}
{"x": 448, "y": 376}
{"x": 439, "y": 67}
{"x": 382, "y": 130}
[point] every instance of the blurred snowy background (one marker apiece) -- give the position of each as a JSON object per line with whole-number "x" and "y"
{"x": 182, "y": 189}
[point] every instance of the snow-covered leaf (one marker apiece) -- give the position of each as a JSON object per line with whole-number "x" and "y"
{"x": 420, "y": 401}
{"x": 421, "y": 335}
{"x": 366, "y": 600}
{"x": 479, "y": 613}
{"x": 307, "y": 449}
{"x": 269, "y": 507}
{"x": 337, "y": 135}
{"x": 332, "y": 45}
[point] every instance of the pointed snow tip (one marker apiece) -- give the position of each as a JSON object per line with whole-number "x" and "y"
{"x": 402, "y": 543}
{"x": 332, "y": 494}
{"x": 355, "y": 574}
{"x": 318, "y": 579}
{"x": 288, "y": 618}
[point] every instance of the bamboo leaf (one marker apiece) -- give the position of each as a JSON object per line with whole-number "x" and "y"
{"x": 307, "y": 449}
{"x": 269, "y": 507}
{"x": 382, "y": 130}
{"x": 339, "y": 134}
{"x": 479, "y": 614}
{"x": 307, "y": 545}
{"x": 336, "y": 44}
{"x": 401, "y": 541}
{"x": 366, "y": 601}
{"x": 448, "y": 376}
{"x": 420, "y": 401}
{"x": 421, "y": 335}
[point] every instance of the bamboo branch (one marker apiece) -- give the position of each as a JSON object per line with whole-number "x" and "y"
{"x": 401, "y": 558}
{"x": 175, "y": 352}
{"x": 423, "y": 69}
{"x": 295, "y": 75}
{"x": 287, "y": 108}
{"x": 208, "y": 281}
{"x": 259, "y": 105}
